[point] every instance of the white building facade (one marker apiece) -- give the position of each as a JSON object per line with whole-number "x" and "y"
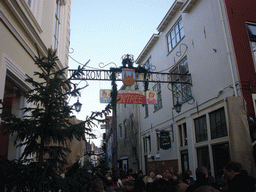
{"x": 193, "y": 39}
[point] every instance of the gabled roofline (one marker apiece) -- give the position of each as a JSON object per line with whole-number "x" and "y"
{"x": 147, "y": 48}
{"x": 176, "y": 6}
{"x": 188, "y": 5}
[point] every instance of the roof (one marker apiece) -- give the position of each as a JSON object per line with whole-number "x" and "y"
{"x": 170, "y": 14}
{"x": 176, "y": 6}
{"x": 147, "y": 48}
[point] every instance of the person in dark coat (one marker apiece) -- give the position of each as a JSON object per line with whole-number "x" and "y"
{"x": 201, "y": 180}
{"x": 239, "y": 180}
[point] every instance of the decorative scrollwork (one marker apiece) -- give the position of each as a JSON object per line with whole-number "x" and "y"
{"x": 72, "y": 51}
{"x": 150, "y": 68}
{"x": 179, "y": 53}
{"x": 102, "y": 65}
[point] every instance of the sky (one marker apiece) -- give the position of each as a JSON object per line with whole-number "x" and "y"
{"x": 102, "y": 31}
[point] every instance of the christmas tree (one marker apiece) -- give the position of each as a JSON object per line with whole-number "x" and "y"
{"x": 44, "y": 131}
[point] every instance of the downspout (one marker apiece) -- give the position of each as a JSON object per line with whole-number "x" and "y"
{"x": 228, "y": 50}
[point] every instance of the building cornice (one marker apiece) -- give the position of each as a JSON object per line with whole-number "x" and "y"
{"x": 176, "y": 6}
{"x": 188, "y": 5}
{"x": 147, "y": 48}
{"x": 23, "y": 20}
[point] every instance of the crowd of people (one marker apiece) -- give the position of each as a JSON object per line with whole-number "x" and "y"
{"x": 234, "y": 179}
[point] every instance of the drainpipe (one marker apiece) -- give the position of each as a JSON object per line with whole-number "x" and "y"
{"x": 228, "y": 50}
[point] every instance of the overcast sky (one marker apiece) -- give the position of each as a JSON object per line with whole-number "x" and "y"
{"x": 105, "y": 30}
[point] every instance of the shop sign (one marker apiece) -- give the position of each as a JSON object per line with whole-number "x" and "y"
{"x": 128, "y": 76}
{"x": 165, "y": 140}
{"x": 131, "y": 97}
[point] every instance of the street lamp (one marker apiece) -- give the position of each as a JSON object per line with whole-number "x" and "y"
{"x": 78, "y": 105}
{"x": 177, "y": 107}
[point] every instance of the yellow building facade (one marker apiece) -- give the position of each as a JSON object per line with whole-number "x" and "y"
{"x": 26, "y": 25}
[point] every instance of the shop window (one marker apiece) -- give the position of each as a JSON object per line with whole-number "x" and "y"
{"x": 221, "y": 156}
{"x": 203, "y": 157}
{"x": 184, "y": 161}
{"x": 201, "y": 129}
{"x": 218, "y": 124}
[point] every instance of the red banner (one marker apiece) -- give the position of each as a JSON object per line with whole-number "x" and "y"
{"x": 131, "y": 97}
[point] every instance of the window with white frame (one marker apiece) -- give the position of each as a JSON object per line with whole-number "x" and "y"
{"x": 175, "y": 35}
{"x": 183, "y": 134}
{"x": 201, "y": 128}
{"x": 157, "y": 89}
{"x": 182, "y": 89}
{"x": 251, "y": 28}
{"x": 56, "y": 25}
{"x": 218, "y": 124}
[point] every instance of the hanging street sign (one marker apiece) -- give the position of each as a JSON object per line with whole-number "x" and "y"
{"x": 131, "y": 97}
{"x": 104, "y": 75}
{"x": 128, "y": 76}
{"x": 165, "y": 140}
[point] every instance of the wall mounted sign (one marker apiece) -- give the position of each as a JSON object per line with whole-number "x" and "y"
{"x": 165, "y": 140}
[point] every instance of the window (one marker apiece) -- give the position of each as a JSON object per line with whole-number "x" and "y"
{"x": 148, "y": 65}
{"x": 203, "y": 157}
{"x": 56, "y": 25}
{"x": 201, "y": 129}
{"x": 120, "y": 130}
{"x": 175, "y": 35}
{"x": 184, "y": 160}
{"x": 157, "y": 89}
{"x": 183, "y": 134}
{"x": 125, "y": 129}
{"x": 157, "y": 141}
{"x": 146, "y": 110}
{"x": 218, "y": 124}
{"x": 145, "y": 144}
{"x": 149, "y": 143}
{"x": 131, "y": 122}
{"x": 181, "y": 89}
{"x": 252, "y": 36}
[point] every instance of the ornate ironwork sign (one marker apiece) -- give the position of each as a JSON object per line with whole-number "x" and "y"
{"x": 104, "y": 75}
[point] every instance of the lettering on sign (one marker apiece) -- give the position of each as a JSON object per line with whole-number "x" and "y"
{"x": 131, "y": 97}
{"x": 140, "y": 77}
